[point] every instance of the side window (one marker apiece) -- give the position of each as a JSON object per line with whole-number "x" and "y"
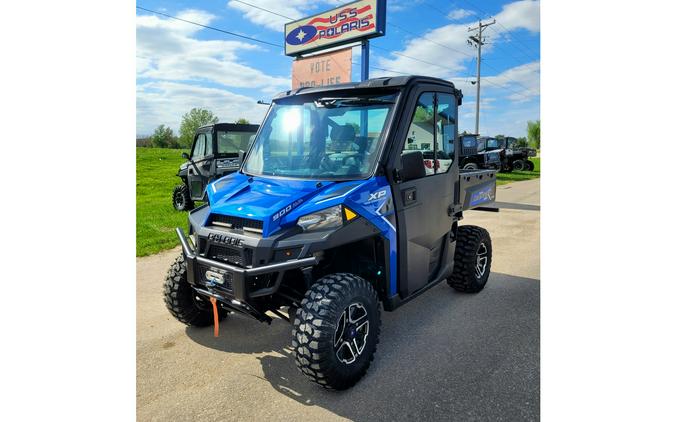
{"x": 445, "y": 131}
{"x": 209, "y": 144}
{"x": 421, "y": 132}
{"x": 425, "y": 125}
{"x": 200, "y": 144}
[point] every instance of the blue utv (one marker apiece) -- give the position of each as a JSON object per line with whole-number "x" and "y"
{"x": 350, "y": 196}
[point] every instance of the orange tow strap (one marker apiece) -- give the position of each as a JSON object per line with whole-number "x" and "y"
{"x": 214, "y": 302}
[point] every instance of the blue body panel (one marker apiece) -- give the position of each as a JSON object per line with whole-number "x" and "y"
{"x": 278, "y": 203}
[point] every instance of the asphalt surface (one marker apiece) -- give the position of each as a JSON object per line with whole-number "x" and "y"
{"x": 443, "y": 356}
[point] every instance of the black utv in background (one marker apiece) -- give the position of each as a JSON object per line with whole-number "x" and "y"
{"x": 214, "y": 154}
{"x": 474, "y": 155}
{"x": 513, "y": 157}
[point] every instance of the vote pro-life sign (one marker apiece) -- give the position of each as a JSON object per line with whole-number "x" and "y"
{"x": 345, "y": 24}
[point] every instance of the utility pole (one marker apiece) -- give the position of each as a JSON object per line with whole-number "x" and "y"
{"x": 479, "y": 41}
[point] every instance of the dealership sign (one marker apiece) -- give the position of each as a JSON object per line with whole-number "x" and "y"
{"x": 345, "y": 24}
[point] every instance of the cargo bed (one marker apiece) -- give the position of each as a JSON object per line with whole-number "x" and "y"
{"x": 477, "y": 188}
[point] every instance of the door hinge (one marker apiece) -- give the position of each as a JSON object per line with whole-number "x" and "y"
{"x": 454, "y": 209}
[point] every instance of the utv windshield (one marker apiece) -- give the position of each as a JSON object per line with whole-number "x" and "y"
{"x": 493, "y": 143}
{"x": 230, "y": 143}
{"x": 321, "y": 138}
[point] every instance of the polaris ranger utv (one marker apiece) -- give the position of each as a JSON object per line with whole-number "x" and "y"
{"x": 214, "y": 153}
{"x": 332, "y": 214}
{"x": 474, "y": 155}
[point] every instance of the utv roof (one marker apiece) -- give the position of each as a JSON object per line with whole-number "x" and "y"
{"x": 385, "y": 82}
{"x": 232, "y": 127}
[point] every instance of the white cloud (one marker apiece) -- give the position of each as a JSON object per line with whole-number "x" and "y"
{"x": 458, "y": 14}
{"x": 445, "y": 49}
{"x": 167, "y": 50}
{"x": 294, "y": 9}
{"x": 520, "y": 14}
{"x": 166, "y": 102}
{"x": 175, "y": 61}
{"x": 522, "y": 82}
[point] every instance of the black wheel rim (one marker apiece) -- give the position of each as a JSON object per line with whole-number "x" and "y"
{"x": 351, "y": 333}
{"x": 481, "y": 260}
{"x": 180, "y": 200}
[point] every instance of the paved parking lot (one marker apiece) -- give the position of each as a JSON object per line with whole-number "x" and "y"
{"x": 443, "y": 356}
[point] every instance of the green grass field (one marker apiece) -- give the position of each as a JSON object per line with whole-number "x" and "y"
{"x": 156, "y": 219}
{"x": 517, "y": 176}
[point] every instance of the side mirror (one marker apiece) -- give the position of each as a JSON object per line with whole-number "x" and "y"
{"x": 242, "y": 156}
{"x": 412, "y": 166}
{"x": 185, "y": 155}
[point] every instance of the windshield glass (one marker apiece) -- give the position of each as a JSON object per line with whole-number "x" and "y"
{"x": 493, "y": 143}
{"x": 321, "y": 138}
{"x": 231, "y": 142}
{"x": 469, "y": 141}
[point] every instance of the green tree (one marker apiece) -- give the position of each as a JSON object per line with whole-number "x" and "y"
{"x": 533, "y": 133}
{"x": 163, "y": 137}
{"x": 242, "y": 121}
{"x": 192, "y": 120}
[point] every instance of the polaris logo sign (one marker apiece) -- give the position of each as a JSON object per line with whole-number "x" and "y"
{"x": 482, "y": 196}
{"x": 351, "y": 22}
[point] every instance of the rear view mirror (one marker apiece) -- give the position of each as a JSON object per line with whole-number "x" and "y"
{"x": 185, "y": 155}
{"x": 412, "y": 166}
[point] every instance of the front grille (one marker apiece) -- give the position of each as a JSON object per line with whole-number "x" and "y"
{"x": 225, "y": 254}
{"x": 236, "y": 222}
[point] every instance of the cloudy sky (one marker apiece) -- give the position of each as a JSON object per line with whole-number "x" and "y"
{"x": 180, "y": 65}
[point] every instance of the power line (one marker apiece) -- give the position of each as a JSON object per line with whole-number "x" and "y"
{"x": 263, "y": 9}
{"x": 428, "y": 39}
{"x": 211, "y": 27}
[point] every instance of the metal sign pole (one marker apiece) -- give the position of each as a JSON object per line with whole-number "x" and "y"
{"x": 365, "y": 59}
{"x": 365, "y": 53}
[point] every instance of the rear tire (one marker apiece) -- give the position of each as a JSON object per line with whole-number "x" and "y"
{"x": 473, "y": 259}
{"x": 519, "y": 165}
{"x": 181, "y": 198}
{"x": 470, "y": 166}
{"x": 339, "y": 315}
{"x": 529, "y": 165}
{"x": 183, "y": 302}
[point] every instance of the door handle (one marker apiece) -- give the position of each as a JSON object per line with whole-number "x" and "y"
{"x": 409, "y": 196}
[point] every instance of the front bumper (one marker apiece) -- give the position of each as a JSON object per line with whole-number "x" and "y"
{"x": 235, "y": 278}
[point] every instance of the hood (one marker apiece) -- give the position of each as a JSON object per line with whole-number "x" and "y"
{"x": 278, "y": 203}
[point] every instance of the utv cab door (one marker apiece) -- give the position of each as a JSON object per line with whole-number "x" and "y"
{"x": 200, "y": 168}
{"x": 423, "y": 198}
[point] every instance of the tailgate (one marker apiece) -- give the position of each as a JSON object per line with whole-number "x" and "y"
{"x": 477, "y": 188}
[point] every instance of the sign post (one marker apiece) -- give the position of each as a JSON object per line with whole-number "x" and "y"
{"x": 365, "y": 59}
{"x": 353, "y": 22}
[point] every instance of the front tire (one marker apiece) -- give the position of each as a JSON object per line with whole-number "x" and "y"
{"x": 470, "y": 166}
{"x": 519, "y": 165}
{"x": 183, "y": 302}
{"x": 181, "y": 198}
{"x": 336, "y": 330}
{"x": 473, "y": 259}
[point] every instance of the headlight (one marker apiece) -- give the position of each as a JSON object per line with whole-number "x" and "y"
{"x": 324, "y": 219}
